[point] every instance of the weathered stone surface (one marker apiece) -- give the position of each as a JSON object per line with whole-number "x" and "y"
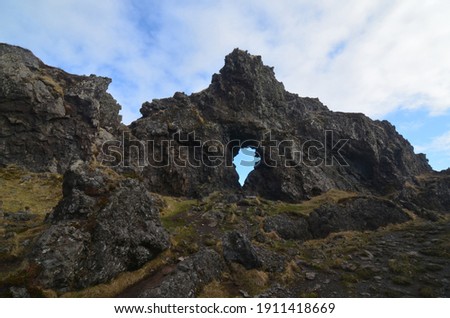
{"x": 104, "y": 225}
{"x": 241, "y": 106}
{"x": 19, "y": 292}
{"x": 238, "y": 248}
{"x": 429, "y": 192}
{"x": 357, "y": 214}
{"x": 271, "y": 261}
{"x": 49, "y": 118}
{"x": 288, "y": 227}
{"x": 353, "y": 214}
{"x": 108, "y": 223}
{"x": 189, "y": 276}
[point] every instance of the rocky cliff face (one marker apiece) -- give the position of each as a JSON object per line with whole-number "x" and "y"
{"x": 345, "y": 175}
{"x": 49, "y": 118}
{"x": 246, "y": 106}
{"x": 104, "y": 225}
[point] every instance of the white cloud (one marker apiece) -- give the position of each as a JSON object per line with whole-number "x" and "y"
{"x": 437, "y": 150}
{"x": 365, "y": 56}
{"x": 440, "y": 143}
{"x": 393, "y": 53}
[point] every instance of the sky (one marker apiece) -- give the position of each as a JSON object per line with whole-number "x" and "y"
{"x": 245, "y": 162}
{"x": 388, "y": 59}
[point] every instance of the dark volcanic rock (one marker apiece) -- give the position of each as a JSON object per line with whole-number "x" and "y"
{"x": 352, "y": 214}
{"x": 288, "y": 227}
{"x": 108, "y": 223}
{"x": 358, "y": 214}
{"x": 428, "y": 192}
{"x": 49, "y": 118}
{"x": 238, "y": 248}
{"x": 189, "y": 276}
{"x": 19, "y": 292}
{"x": 104, "y": 225}
{"x": 271, "y": 261}
{"x": 246, "y": 106}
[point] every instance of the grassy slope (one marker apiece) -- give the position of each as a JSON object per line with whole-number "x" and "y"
{"x": 183, "y": 218}
{"x": 22, "y": 190}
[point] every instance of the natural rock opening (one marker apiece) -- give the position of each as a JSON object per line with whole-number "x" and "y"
{"x": 245, "y": 162}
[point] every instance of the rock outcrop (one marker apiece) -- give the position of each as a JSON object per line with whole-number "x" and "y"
{"x": 288, "y": 227}
{"x": 246, "y": 106}
{"x": 104, "y": 225}
{"x": 429, "y": 192}
{"x": 189, "y": 276}
{"x": 108, "y": 222}
{"x": 49, "y": 118}
{"x": 352, "y": 214}
{"x": 238, "y": 248}
{"x": 355, "y": 214}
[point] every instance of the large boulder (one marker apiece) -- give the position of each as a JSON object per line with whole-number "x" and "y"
{"x": 189, "y": 277}
{"x": 104, "y": 225}
{"x": 238, "y": 248}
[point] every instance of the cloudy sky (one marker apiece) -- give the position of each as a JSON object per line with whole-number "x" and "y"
{"x": 388, "y": 59}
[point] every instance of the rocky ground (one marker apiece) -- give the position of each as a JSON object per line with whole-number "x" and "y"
{"x": 406, "y": 260}
{"x": 77, "y": 220}
{"x": 229, "y": 245}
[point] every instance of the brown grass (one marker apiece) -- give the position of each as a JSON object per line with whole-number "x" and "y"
{"x": 215, "y": 289}
{"x": 49, "y": 81}
{"x": 19, "y": 189}
{"x": 306, "y": 207}
{"x": 252, "y": 281}
{"x": 122, "y": 281}
{"x": 289, "y": 274}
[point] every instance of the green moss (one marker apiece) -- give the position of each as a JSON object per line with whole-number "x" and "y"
{"x": 402, "y": 265}
{"x": 310, "y": 294}
{"x": 23, "y": 190}
{"x": 427, "y": 292}
{"x": 401, "y": 280}
{"x": 365, "y": 273}
{"x": 19, "y": 189}
{"x": 283, "y": 246}
{"x": 210, "y": 201}
{"x": 349, "y": 278}
{"x": 250, "y": 201}
{"x": 184, "y": 240}
{"x": 333, "y": 252}
{"x": 306, "y": 207}
{"x": 175, "y": 207}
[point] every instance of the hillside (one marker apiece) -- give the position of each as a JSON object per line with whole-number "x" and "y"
{"x": 339, "y": 206}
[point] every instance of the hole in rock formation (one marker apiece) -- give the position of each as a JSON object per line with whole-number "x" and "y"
{"x": 245, "y": 162}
